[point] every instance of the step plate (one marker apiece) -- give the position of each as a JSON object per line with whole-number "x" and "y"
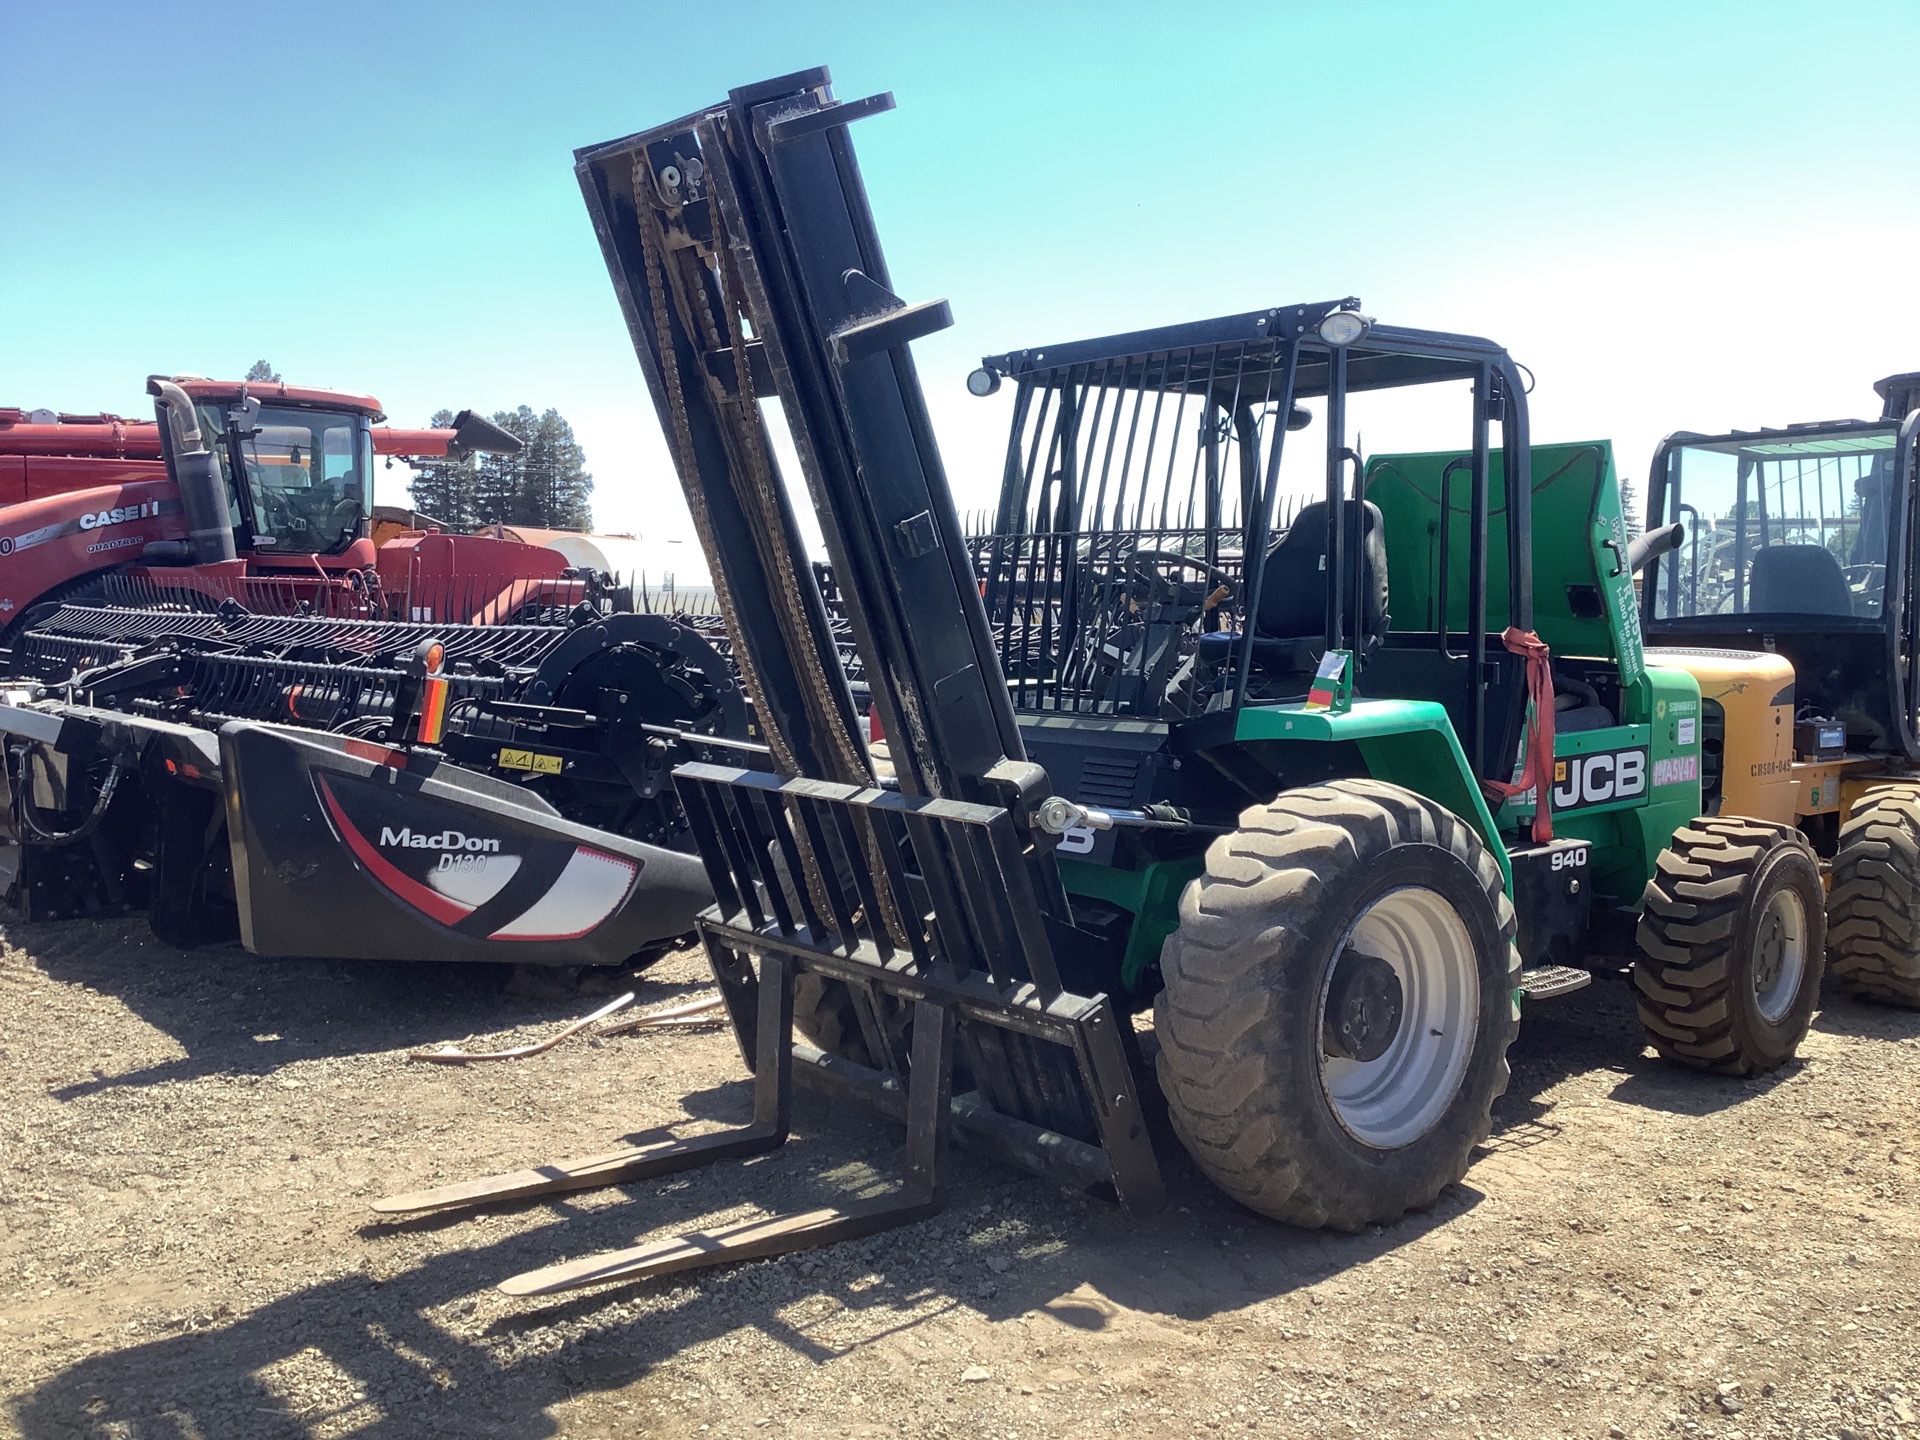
{"x": 1543, "y": 982}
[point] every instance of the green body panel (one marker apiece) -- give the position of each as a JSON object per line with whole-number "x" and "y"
{"x": 1567, "y": 748}
{"x": 1152, "y": 893}
{"x": 1584, "y": 609}
{"x": 1629, "y": 833}
{"x": 1410, "y": 743}
{"x": 1583, "y": 601}
{"x": 1673, "y": 791}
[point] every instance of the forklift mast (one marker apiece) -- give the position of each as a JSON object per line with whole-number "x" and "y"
{"x": 746, "y": 263}
{"x": 749, "y": 269}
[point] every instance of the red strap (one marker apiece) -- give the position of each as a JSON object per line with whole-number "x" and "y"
{"x": 1538, "y": 772}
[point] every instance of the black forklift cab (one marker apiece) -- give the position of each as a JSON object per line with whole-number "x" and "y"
{"x": 1801, "y": 541}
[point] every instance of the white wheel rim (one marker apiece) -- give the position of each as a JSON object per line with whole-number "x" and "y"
{"x": 1395, "y": 1099}
{"x": 1779, "y": 955}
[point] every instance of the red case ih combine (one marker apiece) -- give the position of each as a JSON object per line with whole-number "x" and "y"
{"x": 84, "y": 497}
{"x": 234, "y": 710}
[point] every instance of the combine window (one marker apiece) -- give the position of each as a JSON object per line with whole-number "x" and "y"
{"x": 306, "y": 474}
{"x": 1781, "y": 523}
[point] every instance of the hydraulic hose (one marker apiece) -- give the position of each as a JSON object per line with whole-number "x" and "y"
{"x": 32, "y": 832}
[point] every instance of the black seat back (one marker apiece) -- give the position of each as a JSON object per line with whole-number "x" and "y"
{"x": 1798, "y": 579}
{"x": 1293, "y": 583}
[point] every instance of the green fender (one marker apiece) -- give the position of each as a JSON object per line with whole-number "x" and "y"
{"x": 1409, "y": 743}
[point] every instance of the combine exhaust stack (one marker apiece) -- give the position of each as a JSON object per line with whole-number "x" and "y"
{"x": 203, "y": 494}
{"x": 746, "y": 260}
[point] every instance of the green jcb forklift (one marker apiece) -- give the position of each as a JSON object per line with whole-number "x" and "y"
{"x": 1327, "y": 787}
{"x": 1319, "y": 901}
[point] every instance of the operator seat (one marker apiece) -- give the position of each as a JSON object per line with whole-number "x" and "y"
{"x": 1292, "y": 618}
{"x": 1798, "y": 579}
{"x": 1290, "y": 625}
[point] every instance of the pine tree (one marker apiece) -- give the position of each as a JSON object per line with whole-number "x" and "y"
{"x": 500, "y": 479}
{"x": 444, "y": 488}
{"x": 554, "y": 483}
{"x": 261, "y": 370}
{"x": 546, "y": 484}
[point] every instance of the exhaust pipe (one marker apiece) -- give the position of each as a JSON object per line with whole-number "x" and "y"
{"x": 1645, "y": 547}
{"x": 203, "y": 494}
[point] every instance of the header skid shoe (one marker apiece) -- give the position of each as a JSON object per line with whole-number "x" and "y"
{"x": 980, "y": 984}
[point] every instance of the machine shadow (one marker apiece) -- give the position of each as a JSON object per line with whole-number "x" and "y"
{"x": 1864, "y": 1019}
{"x": 1656, "y": 1085}
{"x": 430, "y": 1350}
{"x": 400, "y": 1360}
{"x": 212, "y": 1001}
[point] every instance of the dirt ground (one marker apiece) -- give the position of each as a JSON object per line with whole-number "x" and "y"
{"x": 190, "y": 1140}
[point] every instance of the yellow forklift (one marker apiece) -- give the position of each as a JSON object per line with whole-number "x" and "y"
{"x": 1792, "y": 600}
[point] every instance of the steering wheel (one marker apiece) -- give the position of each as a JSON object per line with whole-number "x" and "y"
{"x": 1139, "y": 565}
{"x": 276, "y": 512}
{"x": 346, "y": 511}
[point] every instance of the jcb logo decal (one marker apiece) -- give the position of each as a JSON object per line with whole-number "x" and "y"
{"x": 1596, "y": 779}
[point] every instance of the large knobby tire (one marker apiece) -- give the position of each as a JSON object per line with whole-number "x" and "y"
{"x": 1320, "y": 886}
{"x": 823, "y": 1013}
{"x": 1873, "y": 907}
{"x": 1732, "y": 941}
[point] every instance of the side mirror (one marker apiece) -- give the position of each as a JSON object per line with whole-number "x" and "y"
{"x": 243, "y": 417}
{"x": 474, "y": 434}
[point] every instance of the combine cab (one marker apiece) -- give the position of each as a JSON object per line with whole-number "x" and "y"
{"x": 275, "y": 484}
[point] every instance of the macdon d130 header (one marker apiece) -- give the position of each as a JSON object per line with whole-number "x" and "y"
{"x": 1329, "y": 812}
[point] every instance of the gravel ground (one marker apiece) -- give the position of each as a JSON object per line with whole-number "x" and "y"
{"x": 186, "y": 1252}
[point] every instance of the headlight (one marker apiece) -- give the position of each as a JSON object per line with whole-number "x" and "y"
{"x": 1343, "y": 327}
{"x": 983, "y": 382}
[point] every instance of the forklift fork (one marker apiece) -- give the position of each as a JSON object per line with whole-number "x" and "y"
{"x": 772, "y": 1104}
{"x": 982, "y": 983}
{"x": 922, "y": 1192}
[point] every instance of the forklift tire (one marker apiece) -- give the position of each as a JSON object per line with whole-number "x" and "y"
{"x": 1732, "y": 941}
{"x": 823, "y": 1014}
{"x": 1339, "y": 1000}
{"x": 1873, "y": 907}
{"x": 823, "y": 1010}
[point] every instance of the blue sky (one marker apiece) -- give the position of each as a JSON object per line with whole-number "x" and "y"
{"x": 1676, "y": 215}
